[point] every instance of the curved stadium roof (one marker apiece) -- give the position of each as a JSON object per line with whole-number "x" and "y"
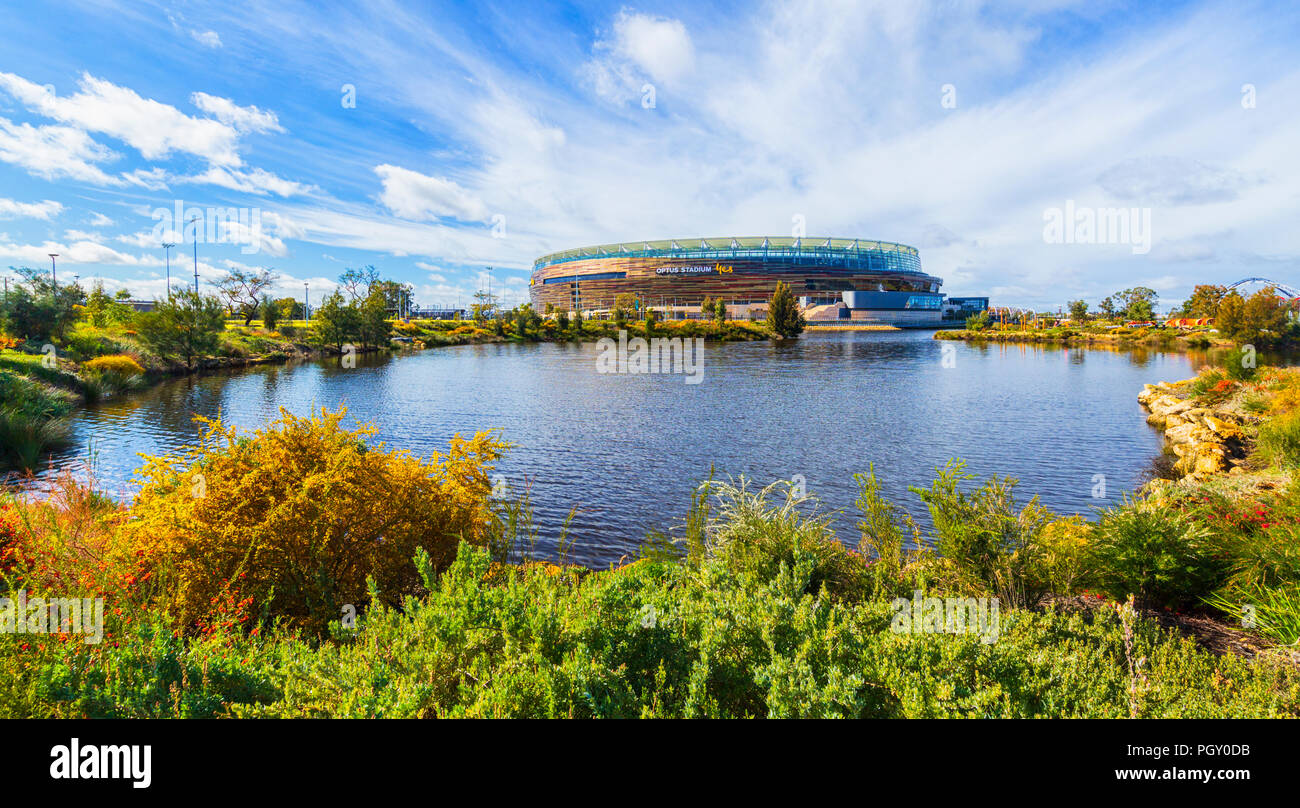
{"x": 732, "y": 247}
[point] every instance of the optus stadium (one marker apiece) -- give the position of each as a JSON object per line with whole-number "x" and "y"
{"x": 834, "y": 279}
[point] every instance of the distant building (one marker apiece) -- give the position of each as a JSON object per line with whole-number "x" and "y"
{"x": 959, "y": 308}
{"x": 834, "y": 279}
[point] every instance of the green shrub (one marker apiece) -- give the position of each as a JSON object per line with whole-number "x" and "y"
{"x": 1154, "y": 554}
{"x": 993, "y": 544}
{"x": 1279, "y": 439}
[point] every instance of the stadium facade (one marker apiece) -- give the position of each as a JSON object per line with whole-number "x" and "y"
{"x": 834, "y": 279}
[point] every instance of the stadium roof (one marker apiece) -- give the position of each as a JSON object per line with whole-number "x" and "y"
{"x": 728, "y": 246}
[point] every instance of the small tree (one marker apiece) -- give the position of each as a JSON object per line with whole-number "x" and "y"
{"x": 372, "y": 319}
{"x": 335, "y": 322}
{"x": 720, "y": 310}
{"x": 39, "y": 310}
{"x": 270, "y": 313}
{"x": 783, "y": 315}
{"x": 1078, "y": 312}
{"x": 242, "y": 289}
{"x": 187, "y": 325}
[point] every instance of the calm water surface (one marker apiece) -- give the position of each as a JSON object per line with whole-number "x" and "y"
{"x": 628, "y": 449}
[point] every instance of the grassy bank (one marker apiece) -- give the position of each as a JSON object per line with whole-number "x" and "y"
{"x": 1168, "y": 339}
{"x": 248, "y": 578}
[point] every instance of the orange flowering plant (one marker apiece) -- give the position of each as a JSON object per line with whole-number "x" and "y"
{"x": 291, "y": 521}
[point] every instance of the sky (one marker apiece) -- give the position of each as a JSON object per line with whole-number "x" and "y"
{"x": 435, "y": 140}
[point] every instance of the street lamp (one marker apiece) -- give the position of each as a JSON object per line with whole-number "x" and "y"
{"x": 306, "y": 304}
{"x": 54, "y": 270}
{"x": 167, "y": 250}
{"x": 195, "y": 234}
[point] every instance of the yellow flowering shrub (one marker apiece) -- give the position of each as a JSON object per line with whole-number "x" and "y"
{"x": 121, "y": 366}
{"x": 291, "y": 520}
{"x": 1064, "y": 546}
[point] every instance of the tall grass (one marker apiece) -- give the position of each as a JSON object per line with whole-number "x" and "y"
{"x": 1279, "y": 440}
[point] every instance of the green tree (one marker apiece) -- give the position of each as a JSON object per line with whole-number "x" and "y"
{"x": 335, "y": 322}
{"x": 187, "y": 326}
{"x": 1139, "y": 303}
{"x": 783, "y": 315}
{"x": 242, "y": 290}
{"x": 290, "y": 308}
{"x": 1204, "y": 301}
{"x": 270, "y": 313}
{"x": 39, "y": 310}
{"x": 103, "y": 309}
{"x": 1108, "y": 308}
{"x": 720, "y": 310}
{"x": 373, "y": 327}
{"x": 1078, "y": 312}
{"x": 1231, "y": 318}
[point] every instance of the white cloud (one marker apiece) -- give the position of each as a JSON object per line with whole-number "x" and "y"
{"x": 417, "y": 196}
{"x": 11, "y": 209}
{"x": 83, "y": 235}
{"x": 154, "y": 129}
{"x": 641, "y": 47}
{"x": 76, "y": 252}
{"x": 245, "y": 119}
{"x": 208, "y": 39}
{"x": 54, "y": 152}
{"x": 257, "y": 181}
{"x": 100, "y": 220}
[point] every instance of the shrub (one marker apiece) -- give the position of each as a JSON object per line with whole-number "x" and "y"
{"x": 1279, "y": 439}
{"x": 118, "y": 370}
{"x": 993, "y": 544}
{"x": 1274, "y": 613}
{"x": 1154, "y": 554}
{"x": 756, "y": 538}
{"x": 1239, "y": 363}
{"x": 299, "y": 515}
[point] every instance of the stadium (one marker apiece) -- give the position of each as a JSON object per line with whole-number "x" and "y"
{"x": 834, "y": 279}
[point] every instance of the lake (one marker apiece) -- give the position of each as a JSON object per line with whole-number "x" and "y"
{"x": 627, "y": 449}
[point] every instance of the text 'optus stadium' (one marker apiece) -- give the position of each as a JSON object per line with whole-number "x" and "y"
{"x": 835, "y": 279}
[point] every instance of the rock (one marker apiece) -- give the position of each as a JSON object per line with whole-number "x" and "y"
{"x": 1189, "y": 433}
{"x": 1226, "y": 430}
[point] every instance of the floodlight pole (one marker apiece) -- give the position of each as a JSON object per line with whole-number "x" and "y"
{"x": 167, "y": 251}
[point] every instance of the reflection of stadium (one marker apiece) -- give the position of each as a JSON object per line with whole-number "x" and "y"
{"x": 834, "y": 279}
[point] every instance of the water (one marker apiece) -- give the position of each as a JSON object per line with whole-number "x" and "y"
{"x": 628, "y": 449}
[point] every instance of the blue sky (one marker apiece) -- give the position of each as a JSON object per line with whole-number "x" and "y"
{"x": 488, "y": 134}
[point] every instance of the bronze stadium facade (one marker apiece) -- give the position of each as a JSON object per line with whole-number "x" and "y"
{"x": 833, "y": 278}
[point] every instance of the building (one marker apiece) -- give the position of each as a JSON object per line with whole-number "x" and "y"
{"x": 834, "y": 279}
{"x": 959, "y": 308}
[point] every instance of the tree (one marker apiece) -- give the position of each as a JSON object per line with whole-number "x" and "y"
{"x": 783, "y": 315}
{"x": 1078, "y": 312}
{"x": 524, "y": 318}
{"x": 270, "y": 313}
{"x": 335, "y": 322}
{"x": 706, "y": 308}
{"x": 1108, "y": 308}
{"x": 39, "y": 310}
{"x": 373, "y": 327}
{"x": 1204, "y": 301}
{"x": 720, "y": 310}
{"x": 1231, "y": 317}
{"x": 358, "y": 282}
{"x": 1139, "y": 303}
{"x": 242, "y": 290}
{"x": 103, "y": 310}
{"x": 186, "y": 325}
{"x": 1264, "y": 318}
{"x": 290, "y": 308}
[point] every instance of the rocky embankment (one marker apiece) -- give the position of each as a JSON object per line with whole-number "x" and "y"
{"x": 1206, "y": 440}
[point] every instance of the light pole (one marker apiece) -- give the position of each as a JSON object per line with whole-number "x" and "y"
{"x": 195, "y": 235}
{"x": 54, "y": 270}
{"x": 167, "y": 250}
{"x": 306, "y": 304}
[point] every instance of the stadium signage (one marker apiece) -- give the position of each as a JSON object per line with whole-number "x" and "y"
{"x": 693, "y": 269}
